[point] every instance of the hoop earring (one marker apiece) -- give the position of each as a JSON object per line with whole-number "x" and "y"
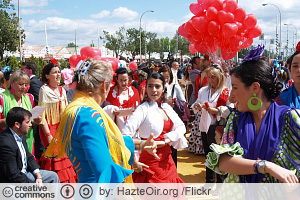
{"x": 146, "y": 98}
{"x": 254, "y": 107}
{"x": 12, "y": 91}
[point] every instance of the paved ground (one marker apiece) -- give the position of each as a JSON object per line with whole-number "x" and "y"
{"x": 190, "y": 167}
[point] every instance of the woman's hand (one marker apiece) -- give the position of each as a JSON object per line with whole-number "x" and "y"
{"x": 37, "y": 120}
{"x": 198, "y": 106}
{"x": 49, "y": 138}
{"x": 282, "y": 174}
{"x": 150, "y": 146}
{"x": 116, "y": 112}
{"x": 211, "y": 110}
{"x": 138, "y": 167}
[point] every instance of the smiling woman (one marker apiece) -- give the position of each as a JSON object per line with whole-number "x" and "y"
{"x": 155, "y": 116}
{"x": 16, "y": 96}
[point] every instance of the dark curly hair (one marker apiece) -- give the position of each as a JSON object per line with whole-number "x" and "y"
{"x": 46, "y": 70}
{"x": 259, "y": 71}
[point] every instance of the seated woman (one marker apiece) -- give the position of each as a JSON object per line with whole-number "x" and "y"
{"x": 122, "y": 95}
{"x": 93, "y": 142}
{"x": 155, "y": 116}
{"x": 259, "y": 140}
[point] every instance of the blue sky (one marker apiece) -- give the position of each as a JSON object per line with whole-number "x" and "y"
{"x": 62, "y": 17}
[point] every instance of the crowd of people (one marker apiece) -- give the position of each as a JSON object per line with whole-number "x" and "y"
{"x": 101, "y": 126}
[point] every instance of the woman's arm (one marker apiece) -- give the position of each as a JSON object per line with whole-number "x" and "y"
{"x": 46, "y": 130}
{"x": 242, "y": 166}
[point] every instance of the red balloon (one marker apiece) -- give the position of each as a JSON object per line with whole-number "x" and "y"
{"x": 230, "y": 6}
{"x": 239, "y": 14}
{"x": 207, "y": 3}
{"x": 189, "y": 28}
{"x": 191, "y": 39}
{"x": 195, "y": 8}
{"x": 74, "y": 59}
{"x": 198, "y": 37}
{"x": 97, "y": 58}
{"x": 241, "y": 27}
{"x": 200, "y": 24}
{"x": 104, "y": 59}
{"x": 114, "y": 64}
{"x": 250, "y": 21}
{"x": 200, "y": 48}
{"x": 254, "y": 32}
{"x": 247, "y": 43}
{"x": 96, "y": 52}
{"x": 213, "y": 28}
{"x": 227, "y": 54}
{"x": 217, "y": 4}
{"x": 229, "y": 30}
{"x": 133, "y": 66}
{"x": 211, "y": 13}
{"x": 87, "y": 52}
{"x": 224, "y": 17}
{"x": 182, "y": 31}
{"x": 192, "y": 49}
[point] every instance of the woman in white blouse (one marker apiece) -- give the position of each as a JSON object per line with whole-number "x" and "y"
{"x": 212, "y": 108}
{"x": 155, "y": 116}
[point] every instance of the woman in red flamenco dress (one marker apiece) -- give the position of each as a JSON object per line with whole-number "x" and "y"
{"x": 54, "y": 98}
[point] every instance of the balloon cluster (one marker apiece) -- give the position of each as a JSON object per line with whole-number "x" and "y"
{"x": 219, "y": 24}
{"x": 89, "y": 52}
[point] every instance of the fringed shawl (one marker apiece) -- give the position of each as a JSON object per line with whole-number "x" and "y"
{"x": 62, "y": 138}
{"x": 55, "y": 105}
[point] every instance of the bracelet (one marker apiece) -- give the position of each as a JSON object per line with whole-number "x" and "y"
{"x": 255, "y": 168}
{"x": 48, "y": 134}
{"x": 141, "y": 145}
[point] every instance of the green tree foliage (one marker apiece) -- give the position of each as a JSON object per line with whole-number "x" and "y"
{"x": 3, "y": 63}
{"x": 71, "y": 44}
{"x": 9, "y": 34}
{"x": 13, "y": 63}
{"x": 115, "y": 41}
{"x": 63, "y": 63}
{"x": 40, "y": 63}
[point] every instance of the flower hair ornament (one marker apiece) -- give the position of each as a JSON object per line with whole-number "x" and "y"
{"x": 255, "y": 53}
{"x": 82, "y": 68}
{"x": 298, "y": 47}
{"x": 54, "y": 61}
{"x": 6, "y": 69}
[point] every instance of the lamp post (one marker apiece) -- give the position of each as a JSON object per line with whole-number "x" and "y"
{"x": 287, "y": 39}
{"x": 265, "y": 4}
{"x": 141, "y": 33}
{"x": 20, "y": 42}
{"x": 293, "y": 35}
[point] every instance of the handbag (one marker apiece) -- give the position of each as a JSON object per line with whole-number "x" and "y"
{"x": 181, "y": 108}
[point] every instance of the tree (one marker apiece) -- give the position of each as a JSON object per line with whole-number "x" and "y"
{"x": 153, "y": 43}
{"x": 9, "y": 34}
{"x": 13, "y": 63}
{"x": 40, "y": 63}
{"x": 115, "y": 41}
{"x": 71, "y": 44}
{"x": 63, "y": 63}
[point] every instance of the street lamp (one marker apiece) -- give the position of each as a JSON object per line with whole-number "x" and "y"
{"x": 265, "y": 4}
{"x": 141, "y": 34}
{"x": 20, "y": 42}
{"x": 293, "y": 35}
{"x": 287, "y": 39}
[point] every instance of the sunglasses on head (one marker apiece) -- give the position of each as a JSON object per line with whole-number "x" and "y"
{"x": 217, "y": 67}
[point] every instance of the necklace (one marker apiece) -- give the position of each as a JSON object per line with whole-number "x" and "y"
{"x": 208, "y": 97}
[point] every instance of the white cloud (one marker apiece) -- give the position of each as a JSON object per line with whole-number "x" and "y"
{"x": 188, "y": 17}
{"x": 31, "y": 3}
{"x": 123, "y": 12}
{"x": 36, "y": 11}
{"x": 102, "y": 14}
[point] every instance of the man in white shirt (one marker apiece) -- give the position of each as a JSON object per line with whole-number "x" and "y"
{"x": 17, "y": 165}
{"x": 174, "y": 69}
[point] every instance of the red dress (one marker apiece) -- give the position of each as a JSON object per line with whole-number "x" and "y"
{"x": 159, "y": 171}
{"x": 62, "y": 166}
